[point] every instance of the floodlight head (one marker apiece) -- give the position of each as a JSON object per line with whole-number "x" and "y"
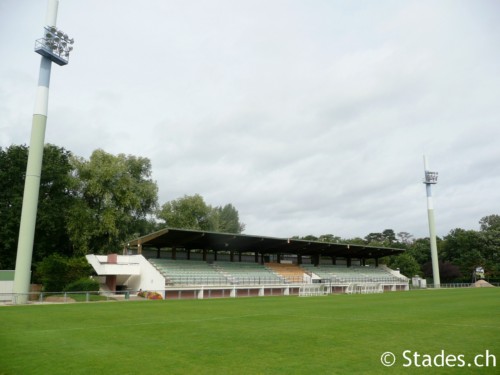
{"x": 54, "y": 45}
{"x": 431, "y": 177}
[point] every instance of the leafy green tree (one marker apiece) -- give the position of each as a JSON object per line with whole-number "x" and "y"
{"x": 407, "y": 265}
{"x": 188, "y": 212}
{"x": 469, "y": 249}
{"x": 490, "y": 223}
{"x": 55, "y": 199}
{"x": 420, "y": 250}
{"x": 191, "y": 212}
{"x": 356, "y": 241}
{"x": 330, "y": 238}
{"x": 466, "y": 249}
{"x": 386, "y": 238}
{"x": 374, "y": 238}
{"x": 12, "y": 171}
{"x": 310, "y": 237}
{"x": 116, "y": 198}
{"x": 55, "y": 272}
{"x": 225, "y": 219}
{"x": 448, "y": 272}
{"x": 405, "y": 238}
{"x": 490, "y": 231}
{"x": 389, "y": 236}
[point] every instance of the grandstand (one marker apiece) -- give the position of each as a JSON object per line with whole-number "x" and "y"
{"x": 195, "y": 264}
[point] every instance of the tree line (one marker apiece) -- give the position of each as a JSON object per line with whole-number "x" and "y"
{"x": 97, "y": 205}
{"x": 459, "y": 252}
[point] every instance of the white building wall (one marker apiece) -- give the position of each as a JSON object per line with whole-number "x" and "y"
{"x": 6, "y": 290}
{"x": 149, "y": 279}
{"x": 135, "y": 269}
{"x": 6, "y": 285}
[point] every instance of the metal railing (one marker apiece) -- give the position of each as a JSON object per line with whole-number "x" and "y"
{"x": 231, "y": 280}
{"x": 61, "y": 297}
{"x": 454, "y": 285}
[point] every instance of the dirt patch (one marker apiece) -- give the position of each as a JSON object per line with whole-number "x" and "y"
{"x": 58, "y": 299}
{"x": 483, "y": 284}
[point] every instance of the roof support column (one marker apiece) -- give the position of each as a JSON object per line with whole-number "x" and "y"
{"x": 315, "y": 259}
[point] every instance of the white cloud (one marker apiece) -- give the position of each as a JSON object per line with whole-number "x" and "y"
{"x": 309, "y": 117}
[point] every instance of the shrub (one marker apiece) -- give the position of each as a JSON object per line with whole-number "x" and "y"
{"x": 85, "y": 284}
{"x": 52, "y": 273}
{"x": 56, "y": 272}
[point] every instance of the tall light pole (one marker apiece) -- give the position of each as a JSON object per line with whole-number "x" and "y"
{"x": 431, "y": 179}
{"x": 55, "y": 46}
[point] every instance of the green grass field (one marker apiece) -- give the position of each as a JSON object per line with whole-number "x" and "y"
{"x": 340, "y": 334}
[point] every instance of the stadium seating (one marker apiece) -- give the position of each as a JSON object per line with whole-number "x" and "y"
{"x": 187, "y": 272}
{"x": 292, "y": 273}
{"x": 224, "y": 273}
{"x": 241, "y": 273}
{"x": 356, "y": 274}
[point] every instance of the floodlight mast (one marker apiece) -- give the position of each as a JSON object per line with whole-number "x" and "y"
{"x": 52, "y": 51}
{"x": 431, "y": 179}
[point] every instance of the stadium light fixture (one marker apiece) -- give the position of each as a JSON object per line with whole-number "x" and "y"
{"x": 55, "y": 46}
{"x": 431, "y": 177}
{"x": 429, "y": 180}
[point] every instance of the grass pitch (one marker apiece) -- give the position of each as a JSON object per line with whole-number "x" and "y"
{"x": 337, "y": 334}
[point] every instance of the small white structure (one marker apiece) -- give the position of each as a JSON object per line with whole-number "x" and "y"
{"x": 418, "y": 282}
{"x": 132, "y": 271}
{"x": 6, "y": 285}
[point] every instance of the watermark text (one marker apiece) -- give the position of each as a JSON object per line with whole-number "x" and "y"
{"x": 409, "y": 358}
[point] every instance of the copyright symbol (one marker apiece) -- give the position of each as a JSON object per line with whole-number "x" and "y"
{"x": 388, "y": 359}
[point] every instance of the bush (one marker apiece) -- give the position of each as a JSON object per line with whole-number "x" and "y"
{"x": 57, "y": 272}
{"x": 84, "y": 284}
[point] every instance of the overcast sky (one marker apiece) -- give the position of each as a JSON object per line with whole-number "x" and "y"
{"x": 310, "y": 117}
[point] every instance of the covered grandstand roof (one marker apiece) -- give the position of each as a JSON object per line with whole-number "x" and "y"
{"x": 193, "y": 239}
